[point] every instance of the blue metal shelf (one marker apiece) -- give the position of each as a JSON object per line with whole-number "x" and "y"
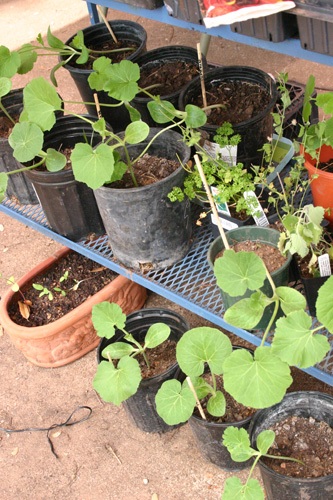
{"x": 189, "y": 283}
{"x": 291, "y": 47}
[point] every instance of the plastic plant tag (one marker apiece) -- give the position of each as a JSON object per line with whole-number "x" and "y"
{"x": 256, "y": 209}
{"x": 226, "y": 224}
{"x": 227, "y": 154}
{"x": 220, "y": 206}
{"x": 324, "y": 265}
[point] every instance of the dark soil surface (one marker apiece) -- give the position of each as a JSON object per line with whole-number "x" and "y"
{"x": 307, "y": 440}
{"x": 147, "y": 170}
{"x": 170, "y": 77}
{"x": 242, "y": 102}
{"x": 160, "y": 359}
{"x": 326, "y": 166}
{"x": 271, "y": 256}
{"x": 235, "y": 412}
{"x": 115, "y": 57}
{"x": 6, "y": 126}
{"x": 90, "y": 276}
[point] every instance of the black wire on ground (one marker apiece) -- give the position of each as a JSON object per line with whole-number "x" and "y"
{"x": 54, "y": 426}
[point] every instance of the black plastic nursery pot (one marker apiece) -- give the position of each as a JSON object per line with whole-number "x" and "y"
{"x": 209, "y": 435}
{"x": 302, "y": 404}
{"x": 146, "y": 230}
{"x": 95, "y": 36}
{"x": 280, "y": 276}
{"x": 141, "y": 408}
{"x": 69, "y": 206}
{"x": 311, "y": 288}
{"x": 154, "y": 59}
{"x": 253, "y": 132}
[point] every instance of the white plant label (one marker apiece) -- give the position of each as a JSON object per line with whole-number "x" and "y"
{"x": 260, "y": 217}
{"x": 227, "y": 154}
{"x": 226, "y": 224}
{"x": 324, "y": 265}
{"x": 220, "y": 205}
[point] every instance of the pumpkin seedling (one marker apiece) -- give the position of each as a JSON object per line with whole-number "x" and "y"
{"x": 116, "y": 383}
{"x": 238, "y": 444}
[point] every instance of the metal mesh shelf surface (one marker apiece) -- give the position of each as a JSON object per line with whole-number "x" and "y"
{"x": 189, "y": 283}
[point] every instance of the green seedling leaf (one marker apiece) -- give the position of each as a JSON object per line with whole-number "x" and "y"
{"x": 92, "y": 166}
{"x": 9, "y": 62}
{"x": 238, "y": 271}
{"x": 265, "y": 440}
{"x": 98, "y": 79}
{"x": 173, "y": 403}
{"x": 324, "y": 304}
{"x": 14, "y": 286}
{"x": 290, "y": 299}
{"x": 26, "y": 140}
{"x": 136, "y": 132}
{"x": 295, "y": 343}
{"x": 37, "y": 287}
{"x": 105, "y": 317}
{"x": 257, "y": 382}
{"x": 122, "y": 83}
{"x": 290, "y": 222}
{"x": 5, "y": 86}
{"x": 40, "y": 102}
{"x": 135, "y": 115}
{"x": 99, "y": 126}
{"x": 83, "y": 58}
{"x": 216, "y": 404}
{"x": 203, "y": 345}
{"x": 28, "y": 57}
{"x": 114, "y": 385}
{"x": 3, "y": 185}
{"x": 235, "y": 490}
{"x": 195, "y": 117}
{"x": 325, "y": 101}
{"x": 238, "y": 443}
{"x": 309, "y": 89}
{"x": 53, "y": 41}
{"x": 78, "y": 40}
{"x": 118, "y": 350}
{"x": 156, "y": 334}
{"x": 118, "y": 172}
{"x": 247, "y": 313}
{"x": 315, "y": 214}
{"x": 298, "y": 245}
{"x": 161, "y": 111}
{"x": 201, "y": 387}
{"x": 55, "y": 161}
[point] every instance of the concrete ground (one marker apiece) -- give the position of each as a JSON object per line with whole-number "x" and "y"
{"x": 35, "y": 397}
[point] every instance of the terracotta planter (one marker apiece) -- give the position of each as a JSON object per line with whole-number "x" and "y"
{"x": 73, "y": 335}
{"x": 322, "y": 186}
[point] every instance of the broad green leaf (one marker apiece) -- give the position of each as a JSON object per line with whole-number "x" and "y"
{"x": 55, "y": 161}
{"x": 40, "y": 102}
{"x": 298, "y": 245}
{"x": 98, "y": 79}
{"x": 257, "y": 382}
{"x": 195, "y": 117}
{"x": 325, "y": 101}
{"x": 315, "y": 214}
{"x": 135, "y": 115}
{"x": 216, "y": 404}
{"x": 238, "y": 271}
{"x": 247, "y": 313}
{"x": 9, "y": 62}
{"x": 309, "y": 88}
{"x": 238, "y": 443}
{"x": 114, "y": 385}
{"x": 3, "y": 185}
{"x": 53, "y": 41}
{"x": 291, "y": 299}
{"x": 118, "y": 350}
{"x": 105, "y": 317}
{"x": 28, "y": 58}
{"x": 92, "y": 166}
{"x": 265, "y": 440}
{"x": 201, "y": 387}
{"x": 295, "y": 343}
{"x": 26, "y": 140}
{"x": 203, "y": 345}
{"x": 36, "y": 286}
{"x": 161, "y": 111}
{"x": 156, "y": 334}
{"x": 78, "y": 40}
{"x": 99, "y": 126}
{"x": 83, "y": 58}
{"x": 290, "y": 222}
{"x": 122, "y": 83}
{"x": 5, "y": 86}
{"x": 136, "y": 132}
{"x": 119, "y": 169}
{"x": 174, "y": 403}
{"x": 324, "y": 304}
{"x": 235, "y": 490}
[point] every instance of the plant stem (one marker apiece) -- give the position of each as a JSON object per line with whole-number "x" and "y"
{"x": 316, "y": 329}
{"x": 93, "y": 104}
{"x": 283, "y": 458}
{"x": 276, "y": 308}
{"x": 24, "y": 169}
{"x": 214, "y": 382}
{"x": 252, "y": 469}
{"x": 3, "y": 109}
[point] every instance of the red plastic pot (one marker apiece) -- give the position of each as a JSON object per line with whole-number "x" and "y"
{"x": 322, "y": 186}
